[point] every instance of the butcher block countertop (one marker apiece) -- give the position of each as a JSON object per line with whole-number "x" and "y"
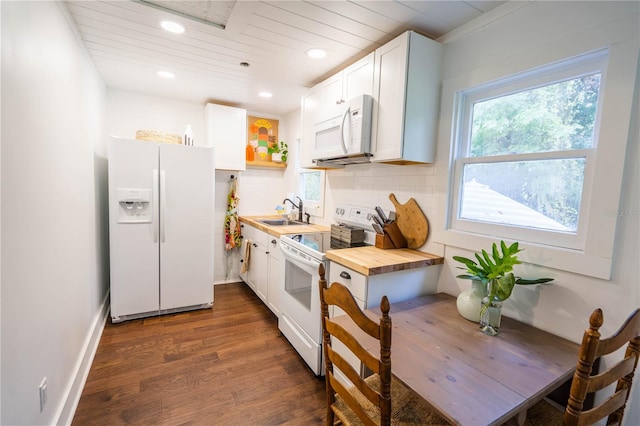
{"x": 277, "y": 231}
{"x": 374, "y": 261}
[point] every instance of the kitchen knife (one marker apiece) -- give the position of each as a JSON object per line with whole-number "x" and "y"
{"x": 381, "y": 214}
{"x": 377, "y": 228}
{"x": 378, "y": 221}
{"x": 392, "y": 215}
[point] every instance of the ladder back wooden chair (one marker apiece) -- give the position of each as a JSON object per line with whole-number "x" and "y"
{"x": 379, "y": 399}
{"x": 584, "y": 382}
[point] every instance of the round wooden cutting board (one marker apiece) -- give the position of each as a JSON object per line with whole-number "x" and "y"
{"x": 411, "y": 221}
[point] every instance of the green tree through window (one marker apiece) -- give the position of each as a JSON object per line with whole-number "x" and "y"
{"x": 556, "y": 118}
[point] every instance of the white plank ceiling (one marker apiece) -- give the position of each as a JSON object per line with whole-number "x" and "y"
{"x": 128, "y": 46}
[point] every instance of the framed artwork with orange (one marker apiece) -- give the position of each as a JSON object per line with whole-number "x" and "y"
{"x": 263, "y": 138}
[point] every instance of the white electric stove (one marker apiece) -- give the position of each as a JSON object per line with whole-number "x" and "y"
{"x": 300, "y": 301}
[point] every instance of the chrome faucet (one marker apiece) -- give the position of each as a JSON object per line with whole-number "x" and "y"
{"x": 299, "y": 207}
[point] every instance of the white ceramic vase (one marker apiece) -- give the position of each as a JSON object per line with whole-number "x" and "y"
{"x": 469, "y": 301}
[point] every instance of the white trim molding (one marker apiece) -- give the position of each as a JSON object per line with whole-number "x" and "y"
{"x": 69, "y": 404}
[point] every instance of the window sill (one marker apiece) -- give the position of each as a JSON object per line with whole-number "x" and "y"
{"x": 574, "y": 261}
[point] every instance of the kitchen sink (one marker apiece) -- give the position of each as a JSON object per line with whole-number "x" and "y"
{"x": 281, "y": 222}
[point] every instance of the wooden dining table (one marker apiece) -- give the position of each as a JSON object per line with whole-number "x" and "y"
{"x": 471, "y": 378}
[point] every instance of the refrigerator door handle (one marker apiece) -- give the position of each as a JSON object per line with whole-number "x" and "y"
{"x": 154, "y": 222}
{"x": 163, "y": 204}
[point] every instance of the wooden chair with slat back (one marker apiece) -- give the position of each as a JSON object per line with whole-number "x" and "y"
{"x": 584, "y": 382}
{"x": 379, "y": 399}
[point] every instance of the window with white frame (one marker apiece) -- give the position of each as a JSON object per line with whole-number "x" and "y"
{"x": 525, "y": 150}
{"x": 312, "y": 191}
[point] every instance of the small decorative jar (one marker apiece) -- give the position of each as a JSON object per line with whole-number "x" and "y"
{"x": 250, "y": 154}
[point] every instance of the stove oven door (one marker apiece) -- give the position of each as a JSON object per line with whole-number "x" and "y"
{"x": 300, "y": 308}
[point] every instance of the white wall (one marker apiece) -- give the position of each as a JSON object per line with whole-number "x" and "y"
{"x": 370, "y": 185}
{"x": 575, "y": 28}
{"x": 261, "y": 190}
{"x": 54, "y": 265}
{"x": 0, "y": 230}
{"x": 503, "y": 37}
{"x": 130, "y": 111}
{"x": 53, "y": 190}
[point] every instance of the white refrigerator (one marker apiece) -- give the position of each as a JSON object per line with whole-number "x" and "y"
{"x": 161, "y": 215}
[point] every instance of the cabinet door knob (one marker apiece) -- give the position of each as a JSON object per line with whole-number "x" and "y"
{"x": 273, "y": 242}
{"x": 345, "y": 275}
{"x": 255, "y": 245}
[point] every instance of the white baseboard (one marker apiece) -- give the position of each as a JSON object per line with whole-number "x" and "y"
{"x": 237, "y": 280}
{"x": 67, "y": 409}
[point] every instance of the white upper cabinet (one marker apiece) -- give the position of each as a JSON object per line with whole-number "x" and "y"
{"x": 329, "y": 99}
{"x": 353, "y": 81}
{"x": 357, "y": 79}
{"x": 227, "y": 133}
{"x": 407, "y": 80}
{"x": 310, "y": 107}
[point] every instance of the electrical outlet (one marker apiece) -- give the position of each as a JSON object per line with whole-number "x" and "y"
{"x": 43, "y": 393}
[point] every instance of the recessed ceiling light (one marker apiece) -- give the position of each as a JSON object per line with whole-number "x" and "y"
{"x": 316, "y": 53}
{"x": 265, "y": 94}
{"x": 172, "y": 27}
{"x": 166, "y": 74}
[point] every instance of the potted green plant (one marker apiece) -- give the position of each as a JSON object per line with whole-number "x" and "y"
{"x": 284, "y": 151}
{"x": 279, "y": 152}
{"x": 492, "y": 275}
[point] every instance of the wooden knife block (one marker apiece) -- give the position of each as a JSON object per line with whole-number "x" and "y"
{"x": 392, "y": 237}
{"x": 384, "y": 242}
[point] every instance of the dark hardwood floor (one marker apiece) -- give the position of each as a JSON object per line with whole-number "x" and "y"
{"x": 223, "y": 366}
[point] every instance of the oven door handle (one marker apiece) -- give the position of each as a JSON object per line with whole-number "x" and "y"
{"x": 294, "y": 259}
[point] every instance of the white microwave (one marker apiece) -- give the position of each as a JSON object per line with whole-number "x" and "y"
{"x": 346, "y": 138}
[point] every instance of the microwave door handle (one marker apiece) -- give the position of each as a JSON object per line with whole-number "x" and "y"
{"x": 345, "y": 148}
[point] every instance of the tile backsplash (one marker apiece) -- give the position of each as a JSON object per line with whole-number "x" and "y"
{"x": 370, "y": 185}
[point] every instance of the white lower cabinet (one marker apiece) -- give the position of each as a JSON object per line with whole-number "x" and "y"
{"x": 264, "y": 274}
{"x": 258, "y": 266}
{"x": 244, "y": 274}
{"x": 276, "y": 278}
{"x": 368, "y": 290}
